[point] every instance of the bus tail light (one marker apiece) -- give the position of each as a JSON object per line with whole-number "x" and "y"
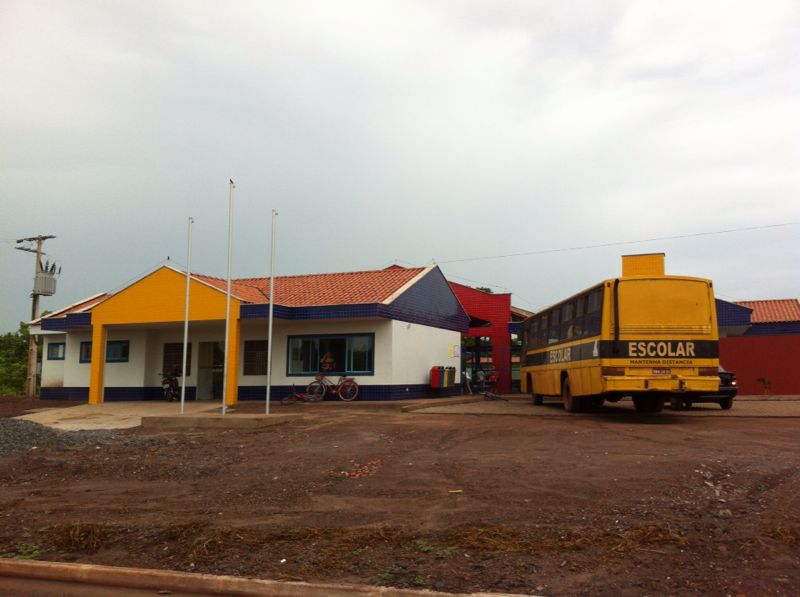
{"x": 613, "y": 371}
{"x": 707, "y": 371}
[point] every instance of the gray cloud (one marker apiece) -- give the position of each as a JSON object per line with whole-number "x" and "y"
{"x": 401, "y": 131}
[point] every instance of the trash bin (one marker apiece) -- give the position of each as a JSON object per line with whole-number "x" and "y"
{"x": 436, "y": 376}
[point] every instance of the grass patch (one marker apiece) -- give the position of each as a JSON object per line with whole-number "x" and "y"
{"x": 24, "y": 551}
{"x": 505, "y": 540}
{"x": 81, "y": 537}
{"x": 783, "y": 532}
{"x": 421, "y": 546}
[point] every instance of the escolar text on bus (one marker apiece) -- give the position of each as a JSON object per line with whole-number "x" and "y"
{"x": 661, "y": 349}
{"x": 560, "y": 355}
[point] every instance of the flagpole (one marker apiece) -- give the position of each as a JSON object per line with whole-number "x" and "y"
{"x": 271, "y": 304}
{"x": 228, "y": 296}
{"x": 186, "y": 313}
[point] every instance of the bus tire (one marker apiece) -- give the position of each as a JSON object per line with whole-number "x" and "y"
{"x": 572, "y": 404}
{"x": 657, "y": 404}
{"x": 726, "y": 403}
{"x": 642, "y": 404}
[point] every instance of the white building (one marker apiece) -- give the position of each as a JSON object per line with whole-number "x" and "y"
{"x": 385, "y": 328}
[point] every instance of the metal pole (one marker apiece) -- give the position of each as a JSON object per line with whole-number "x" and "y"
{"x": 186, "y": 313}
{"x": 228, "y": 295}
{"x": 271, "y": 304}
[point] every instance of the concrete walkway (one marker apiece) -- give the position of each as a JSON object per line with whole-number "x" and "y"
{"x": 165, "y": 416}
{"x": 114, "y": 415}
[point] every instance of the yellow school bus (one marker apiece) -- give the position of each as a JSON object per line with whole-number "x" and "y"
{"x": 645, "y": 334}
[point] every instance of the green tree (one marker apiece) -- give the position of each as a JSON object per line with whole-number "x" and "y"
{"x": 14, "y": 361}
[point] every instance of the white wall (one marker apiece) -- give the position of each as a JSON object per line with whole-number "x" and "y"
{"x": 53, "y": 371}
{"x": 76, "y": 374}
{"x": 132, "y": 373}
{"x": 416, "y": 348}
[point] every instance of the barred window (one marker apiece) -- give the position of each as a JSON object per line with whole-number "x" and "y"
{"x": 255, "y": 357}
{"x": 173, "y": 358}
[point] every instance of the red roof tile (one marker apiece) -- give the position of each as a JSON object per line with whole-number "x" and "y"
{"x": 81, "y": 306}
{"x": 345, "y": 288}
{"x": 773, "y": 311}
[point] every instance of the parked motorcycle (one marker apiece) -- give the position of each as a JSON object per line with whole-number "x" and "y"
{"x": 172, "y": 389}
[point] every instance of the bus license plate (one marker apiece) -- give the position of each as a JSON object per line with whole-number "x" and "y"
{"x": 661, "y": 371}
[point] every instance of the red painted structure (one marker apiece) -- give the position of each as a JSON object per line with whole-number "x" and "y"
{"x": 495, "y": 310}
{"x": 770, "y": 358}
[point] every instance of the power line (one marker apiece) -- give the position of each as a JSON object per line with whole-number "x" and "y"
{"x": 618, "y": 243}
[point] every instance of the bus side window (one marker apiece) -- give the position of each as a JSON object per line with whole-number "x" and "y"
{"x": 593, "y": 310}
{"x": 543, "y": 330}
{"x": 567, "y": 322}
{"x": 528, "y": 337}
{"x": 555, "y": 327}
{"x": 533, "y": 334}
{"x": 580, "y": 313}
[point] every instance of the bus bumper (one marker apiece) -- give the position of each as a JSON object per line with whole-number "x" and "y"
{"x": 676, "y": 385}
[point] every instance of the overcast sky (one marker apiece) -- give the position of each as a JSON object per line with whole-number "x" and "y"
{"x": 402, "y": 132}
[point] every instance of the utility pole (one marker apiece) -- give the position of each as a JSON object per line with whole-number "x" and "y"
{"x": 30, "y": 380}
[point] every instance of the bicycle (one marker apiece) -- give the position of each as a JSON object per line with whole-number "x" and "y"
{"x": 346, "y": 388}
{"x": 294, "y": 397}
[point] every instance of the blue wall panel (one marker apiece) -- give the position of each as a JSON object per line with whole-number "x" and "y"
{"x": 774, "y": 329}
{"x": 149, "y": 393}
{"x": 431, "y": 302}
{"x": 73, "y": 321}
{"x": 78, "y": 394}
{"x": 366, "y": 393}
{"x": 730, "y": 314}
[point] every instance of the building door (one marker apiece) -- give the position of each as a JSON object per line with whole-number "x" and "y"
{"x": 211, "y": 364}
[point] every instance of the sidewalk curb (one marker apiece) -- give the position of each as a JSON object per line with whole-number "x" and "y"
{"x": 202, "y": 584}
{"x": 216, "y": 421}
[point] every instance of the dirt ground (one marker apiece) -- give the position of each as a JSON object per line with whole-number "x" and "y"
{"x": 595, "y": 504}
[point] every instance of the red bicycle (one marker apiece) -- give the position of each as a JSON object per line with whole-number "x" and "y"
{"x": 346, "y": 388}
{"x": 294, "y": 396}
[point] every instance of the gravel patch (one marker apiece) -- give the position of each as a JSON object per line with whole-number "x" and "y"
{"x": 19, "y": 435}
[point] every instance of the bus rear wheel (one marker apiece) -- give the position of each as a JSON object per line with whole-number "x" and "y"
{"x": 572, "y": 404}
